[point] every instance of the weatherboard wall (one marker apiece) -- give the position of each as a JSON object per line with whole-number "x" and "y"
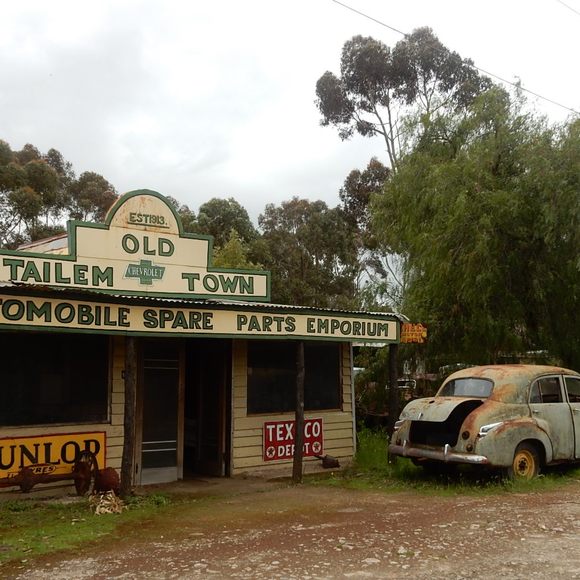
{"x": 247, "y": 430}
{"x": 112, "y": 428}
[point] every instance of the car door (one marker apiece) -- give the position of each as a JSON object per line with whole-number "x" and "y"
{"x": 552, "y": 413}
{"x": 572, "y": 385}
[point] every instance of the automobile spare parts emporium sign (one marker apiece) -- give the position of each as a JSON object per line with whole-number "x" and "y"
{"x": 141, "y": 249}
{"x": 79, "y": 316}
{"x": 49, "y": 454}
{"x": 279, "y": 439}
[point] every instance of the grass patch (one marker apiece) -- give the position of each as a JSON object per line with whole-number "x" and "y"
{"x": 30, "y": 528}
{"x": 371, "y": 470}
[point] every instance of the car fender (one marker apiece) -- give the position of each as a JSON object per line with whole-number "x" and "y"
{"x": 499, "y": 445}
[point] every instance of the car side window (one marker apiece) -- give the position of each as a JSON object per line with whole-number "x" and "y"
{"x": 573, "y": 389}
{"x": 535, "y": 396}
{"x": 546, "y": 390}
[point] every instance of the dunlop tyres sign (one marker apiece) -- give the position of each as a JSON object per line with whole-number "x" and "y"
{"x": 48, "y": 454}
{"x": 79, "y": 316}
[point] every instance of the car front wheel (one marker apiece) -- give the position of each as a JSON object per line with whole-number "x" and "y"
{"x": 526, "y": 462}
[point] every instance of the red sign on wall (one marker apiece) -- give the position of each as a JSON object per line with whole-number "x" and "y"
{"x": 279, "y": 439}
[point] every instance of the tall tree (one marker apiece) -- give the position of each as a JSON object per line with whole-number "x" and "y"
{"x": 355, "y": 194}
{"x": 38, "y": 192}
{"x": 380, "y": 280}
{"x": 311, "y": 251}
{"x": 486, "y": 214}
{"x": 235, "y": 253}
{"x": 187, "y": 216}
{"x": 218, "y": 217}
{"x": 30, "y": 200}
{"x": 90, "y": 197}
{"x": 395, "y": 93}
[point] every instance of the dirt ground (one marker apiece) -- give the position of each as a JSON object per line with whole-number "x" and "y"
{"x": 264, "y": 530}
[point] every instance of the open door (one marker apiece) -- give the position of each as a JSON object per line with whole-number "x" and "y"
{"x": 161, "y": 396}
{"x": 207, "y": 417}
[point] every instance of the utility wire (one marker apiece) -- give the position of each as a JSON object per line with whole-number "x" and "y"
{"x": 405, "y": 34}
{"x": 569, "y": 7}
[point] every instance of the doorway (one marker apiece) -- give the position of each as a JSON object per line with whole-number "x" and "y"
{"x": 184, "y": 408}
{"x": 207, "y": 408}
{"x": 160, "y": 401}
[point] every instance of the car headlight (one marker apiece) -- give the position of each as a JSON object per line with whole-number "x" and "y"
{"x": 398, "y": 425}
{"x": 485, "y": 429}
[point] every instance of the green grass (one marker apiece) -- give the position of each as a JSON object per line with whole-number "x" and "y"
{"x": 371, "y": 470}
{"x": 32, "y": 527}
{"x": 29, "y": 528}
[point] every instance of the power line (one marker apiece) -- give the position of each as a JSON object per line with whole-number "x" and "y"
{"x": 569, "y": 7}
{"x": 405, "y": 34}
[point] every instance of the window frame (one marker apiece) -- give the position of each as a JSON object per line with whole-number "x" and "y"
{"x": 536, "y": 383}
{"x": 573, "y": 379}
{"x": 109, "y": 348}
{"x": 339, "y": 377}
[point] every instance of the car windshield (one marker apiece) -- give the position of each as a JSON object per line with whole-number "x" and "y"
{"x": 467, "y": 388}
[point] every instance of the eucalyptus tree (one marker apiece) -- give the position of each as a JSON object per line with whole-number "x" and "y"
{"x": 311, "y": 252}
{"x": 187, "y": 215}
{"x": 218, "y": 217}
{"x": 90, "y": 197}
{"x": 38, "y": 192}
{"x": 395, "y": 93}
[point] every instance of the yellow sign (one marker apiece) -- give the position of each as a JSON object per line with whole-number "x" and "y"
{"x": 48, "y": 454}
{"x": 43, "y": 313}
{"x": 413, "y": 333}
{"x": 141, "y": 249}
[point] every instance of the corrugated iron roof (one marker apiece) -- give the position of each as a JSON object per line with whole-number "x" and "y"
{"x": 46, "y": 245}
{"x": 237, "y": 304}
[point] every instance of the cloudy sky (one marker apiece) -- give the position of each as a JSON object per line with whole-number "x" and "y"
{"x": 216, "y": 99}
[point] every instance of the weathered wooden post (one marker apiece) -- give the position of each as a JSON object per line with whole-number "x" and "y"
{"x": 127, "y": 463}
{"x": 393, "y": 388}
{"x": 299, "y": 418}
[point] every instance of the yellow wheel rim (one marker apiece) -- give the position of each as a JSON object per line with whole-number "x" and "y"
{"x": 524, "y": 464}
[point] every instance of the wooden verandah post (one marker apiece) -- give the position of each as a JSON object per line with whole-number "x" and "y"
{"x": 393, "y": 391}
{"x": 299, "y": 415}
{"x": 127, "y": 462}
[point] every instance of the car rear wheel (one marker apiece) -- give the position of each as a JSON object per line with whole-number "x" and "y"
{"x": 526, "y": 462}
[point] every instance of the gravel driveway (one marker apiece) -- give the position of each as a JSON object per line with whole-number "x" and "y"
{"x": 320, "y": 532}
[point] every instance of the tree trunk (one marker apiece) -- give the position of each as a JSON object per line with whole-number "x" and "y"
{"x": 127, "y": 463}
{"x": 299, "y": 419}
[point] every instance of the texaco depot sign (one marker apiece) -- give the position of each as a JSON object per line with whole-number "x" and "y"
{"x": 140, "y": 249}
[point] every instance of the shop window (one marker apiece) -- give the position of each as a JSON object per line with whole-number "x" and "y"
{"x": 272, "y": 376}
{"x": 53, "y": 378}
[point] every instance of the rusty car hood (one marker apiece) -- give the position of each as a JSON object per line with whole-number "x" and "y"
{"x": 436, "y": 409}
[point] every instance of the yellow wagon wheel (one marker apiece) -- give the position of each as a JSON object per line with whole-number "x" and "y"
{"x": 84, "y": 471}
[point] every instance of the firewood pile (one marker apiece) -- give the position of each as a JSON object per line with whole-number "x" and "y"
{"x": 106, "y": 503}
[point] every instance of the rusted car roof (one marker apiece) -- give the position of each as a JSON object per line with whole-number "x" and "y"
{"x": 510, "y": 381}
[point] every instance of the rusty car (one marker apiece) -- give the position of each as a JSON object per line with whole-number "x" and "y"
{"x": 517, "y": 418}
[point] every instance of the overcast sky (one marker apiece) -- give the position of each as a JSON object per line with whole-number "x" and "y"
{"x": 216, "y": 99}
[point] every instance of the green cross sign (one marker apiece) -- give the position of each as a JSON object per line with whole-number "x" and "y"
{"x": 146, "y": 271}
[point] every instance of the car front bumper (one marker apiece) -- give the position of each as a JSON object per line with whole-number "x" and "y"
{"x": 441, "y": 454}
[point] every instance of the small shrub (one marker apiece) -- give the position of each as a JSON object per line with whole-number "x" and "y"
{"x": 371, "y": 454}
{"x": 18, "y": 506}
